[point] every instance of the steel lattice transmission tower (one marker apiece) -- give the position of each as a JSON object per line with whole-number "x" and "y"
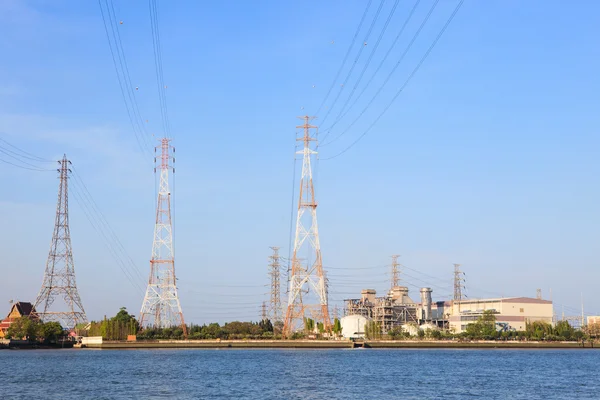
{"x": 395, "y": 271}
{"x": 161, "y": 307}
{"x": 306, "y": 275}
{"x": 458, "y": 283}
{"x": 275, "y": 310}
{"x": 59, "y": 278}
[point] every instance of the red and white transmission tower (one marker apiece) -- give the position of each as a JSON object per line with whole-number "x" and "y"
{"x": 306, "y": 274}
{"x": 59, "y": 278}
{"x": 161, "y": 307}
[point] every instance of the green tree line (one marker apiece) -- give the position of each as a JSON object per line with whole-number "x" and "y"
{"x": 33, "y": 329}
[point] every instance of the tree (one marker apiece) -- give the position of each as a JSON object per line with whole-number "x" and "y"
{"x": 320, "y": 327}
{"x": 484, "y": 327}
{"x": 309, "y": 324}
{"x": 266, "y": 325}
{"x": 538, "y": 330}
{"x": 337, "y": 326}
{"x": 564, "y": 330}
{"x": 23, "y": 327}
{"x": 51, "y": 331}
{"x": 372, "y": 330}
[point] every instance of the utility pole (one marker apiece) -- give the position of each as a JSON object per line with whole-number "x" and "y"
{"x": 395, "y": 271}
{"x": 275, "y": 300}
{"x": 161, "y": 307}
{"x": 309, "y": 274}
{"x": 59, "y": 277}
{"x": 458, "y": 282}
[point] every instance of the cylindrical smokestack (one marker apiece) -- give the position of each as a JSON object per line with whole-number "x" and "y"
{"x": 426, "y": 303}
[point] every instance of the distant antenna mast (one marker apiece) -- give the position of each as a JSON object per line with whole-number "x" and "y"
{"x": 539, "y": 294}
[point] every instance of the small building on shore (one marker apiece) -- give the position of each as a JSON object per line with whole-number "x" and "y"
{"x": 18, "y": 310}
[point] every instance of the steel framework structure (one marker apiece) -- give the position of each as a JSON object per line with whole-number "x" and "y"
{"x": 384, "y": 311}
{"x": 275, "y": 310}
{"x": 161, "y": 307}
{"x": 458, "y": 283}
{"x": 395, "y": 271}
{"x": 304, "y": 273}
{"x": 59, "y": 277}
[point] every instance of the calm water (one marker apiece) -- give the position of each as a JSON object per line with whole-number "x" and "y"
{"x": 300, "y": 374}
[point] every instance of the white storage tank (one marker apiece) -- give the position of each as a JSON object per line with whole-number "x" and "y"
{"x": 353, "y": 326}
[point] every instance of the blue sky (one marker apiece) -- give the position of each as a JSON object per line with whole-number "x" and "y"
{"x": 488, "y": 158}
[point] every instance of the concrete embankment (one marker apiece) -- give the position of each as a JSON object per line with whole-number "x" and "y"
{"x": 331, "y": 344}
{"x": 214, "y": 344}
{"x": 443, "y": 344}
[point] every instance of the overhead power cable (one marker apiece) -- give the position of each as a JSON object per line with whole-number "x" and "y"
{"x": 100, "y": 224}
{"x": 374, "y": 49}
{"x": 123, "y": 76}
{"x": 367, "y": 85}
{"x": 22, "y": 159}
{"x": 22, "y": 153}
{"x": 158, "y": 65}
{"x": 389, "y": 76}
{"x": 337, "y": 75}
{"x": 360, "y": 50}
{"x": 412, "y": 74}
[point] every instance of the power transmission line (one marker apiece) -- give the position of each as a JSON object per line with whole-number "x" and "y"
{"x": 389, "y": 76}
{"x": 362, "y": 73}
{"x": 158, "y": 64}
{"x": 366, "y": 39}
{"x": 393, "y": 45}
{"x": 337, "y": 75}
{"x": 412, "y": 74}
{"x": 119, "y": 69}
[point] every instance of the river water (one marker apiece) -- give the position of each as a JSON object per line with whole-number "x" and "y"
{"x": 300, "y": 374}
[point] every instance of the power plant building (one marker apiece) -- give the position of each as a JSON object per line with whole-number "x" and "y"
{"x": 511, "y": 313}
{"x": 396, "y": 309}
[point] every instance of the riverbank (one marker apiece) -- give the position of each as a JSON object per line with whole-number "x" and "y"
{"x": 332, "y": 344}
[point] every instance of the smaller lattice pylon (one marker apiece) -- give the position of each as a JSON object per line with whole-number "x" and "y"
{"x": 275, "y": 311}
{"x": 458, "y": 283}
{"x": 395, "y": 271}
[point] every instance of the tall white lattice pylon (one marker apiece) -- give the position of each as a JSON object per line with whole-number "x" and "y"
{"x": 161, "y": 307}
{"x": 306, "y": 273}
{"x": 59, "y": 278}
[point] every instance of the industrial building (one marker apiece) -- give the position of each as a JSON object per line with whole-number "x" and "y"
{"x": 511, "y": 313}
{"x": 353, "y": 326}
{"x": 397, "y": 309}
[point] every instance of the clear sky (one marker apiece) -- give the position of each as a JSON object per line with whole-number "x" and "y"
{"x": 488, "y": 158}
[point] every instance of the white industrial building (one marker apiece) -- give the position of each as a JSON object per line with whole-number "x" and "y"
{"x": 511, "y": 313}
{"x": 353, "y": 326}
